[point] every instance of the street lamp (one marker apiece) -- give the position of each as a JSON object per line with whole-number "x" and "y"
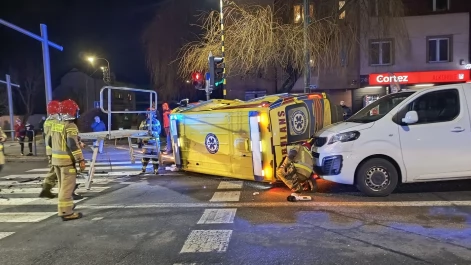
{"x": 106, "y": 72}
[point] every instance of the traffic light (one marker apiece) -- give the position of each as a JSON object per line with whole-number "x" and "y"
{"x": 216, "y": 71}
{"x": 197, "y": 79}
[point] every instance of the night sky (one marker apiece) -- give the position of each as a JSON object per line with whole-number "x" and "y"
{"x": 109, "y": 29}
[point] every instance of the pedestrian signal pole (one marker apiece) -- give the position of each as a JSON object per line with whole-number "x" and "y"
{"x": 216, "y": 71}
{"x": 10, "y": 102}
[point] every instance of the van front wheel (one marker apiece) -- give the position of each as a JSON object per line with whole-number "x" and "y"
{"x": 377, "y": 177}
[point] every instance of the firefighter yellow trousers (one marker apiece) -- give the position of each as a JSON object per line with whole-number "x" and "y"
{"x": 51, "y": 177}
{"x": 67, "y": 176}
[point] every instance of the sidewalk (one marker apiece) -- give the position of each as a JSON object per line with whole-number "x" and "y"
{"x": 111, "y": 153}
{"x": 12, "y": 152}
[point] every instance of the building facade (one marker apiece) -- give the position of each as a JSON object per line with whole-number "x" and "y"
{"x": 435, "y": 51}
{"x": 85, "y": 90}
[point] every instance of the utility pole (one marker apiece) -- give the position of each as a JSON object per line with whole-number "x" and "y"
{"x": 45, "y": 45}
{"x": 10, "y": 102}
{"x": 221, "y": 7}
{"x": 307, "y": 66}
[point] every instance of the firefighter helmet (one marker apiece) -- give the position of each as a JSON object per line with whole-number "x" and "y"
{"x": 53, "y": 107}
{"x": 69, "y": 110}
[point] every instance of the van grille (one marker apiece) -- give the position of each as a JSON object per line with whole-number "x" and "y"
{"x": 319, "y": 141}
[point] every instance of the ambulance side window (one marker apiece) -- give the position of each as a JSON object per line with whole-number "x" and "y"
{"x": 432, "y": 107}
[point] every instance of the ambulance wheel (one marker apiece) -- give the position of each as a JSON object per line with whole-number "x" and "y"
{"x": 376, "y": 177}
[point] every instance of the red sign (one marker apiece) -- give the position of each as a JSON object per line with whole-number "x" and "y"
{"x": 430, "y": 77}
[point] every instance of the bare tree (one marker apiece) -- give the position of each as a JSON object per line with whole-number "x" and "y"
{"x": 30, "y": 78}
{"x": 258, "y": 38}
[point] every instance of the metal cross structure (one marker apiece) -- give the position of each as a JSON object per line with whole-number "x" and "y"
{"x": 45, "y": 45}
{"x": 10, "y": 101}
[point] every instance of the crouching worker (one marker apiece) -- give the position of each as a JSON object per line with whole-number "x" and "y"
{"x": 296, "y": 170}
{"x": 66, "y": 153}
{"x": 3, "y": 138}
{"x": 152, "y": 143}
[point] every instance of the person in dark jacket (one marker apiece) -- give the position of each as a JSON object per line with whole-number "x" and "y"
{"x": 98, "y": 126}
{"x": 347, "y": 112}
{"x": 21, "y": 134}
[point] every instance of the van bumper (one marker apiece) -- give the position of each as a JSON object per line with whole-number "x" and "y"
{"x": 339, "y": 168}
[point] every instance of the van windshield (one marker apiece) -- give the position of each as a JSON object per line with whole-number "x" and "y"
{"x": 379, "y": 108}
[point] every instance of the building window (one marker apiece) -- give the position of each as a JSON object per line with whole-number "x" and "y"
{"x": 441, "y": 5}
{"x": 381, "y": 52}
{"x": 342, "y": 14}
{"x": 439, "y": 49}
{"x": 299, "y": 13}
{"x": 379, "y": 8}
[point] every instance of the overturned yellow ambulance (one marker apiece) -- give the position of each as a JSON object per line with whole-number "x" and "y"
{"x": 246, "y": 139}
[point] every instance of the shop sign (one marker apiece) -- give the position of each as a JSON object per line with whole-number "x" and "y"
{"x": 420, "y": 77}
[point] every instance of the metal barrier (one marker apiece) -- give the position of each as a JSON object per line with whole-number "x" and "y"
{"x": 113, "y": 134}
{"x": 15, "y": 142}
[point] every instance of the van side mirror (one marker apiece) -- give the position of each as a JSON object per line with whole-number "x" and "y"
{"x": 411, "y": 117}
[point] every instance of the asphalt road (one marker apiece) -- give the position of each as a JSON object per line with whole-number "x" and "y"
{"x": 180, "y": 218}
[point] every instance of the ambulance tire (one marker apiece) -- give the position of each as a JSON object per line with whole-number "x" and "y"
{"x": 376, "y": 177}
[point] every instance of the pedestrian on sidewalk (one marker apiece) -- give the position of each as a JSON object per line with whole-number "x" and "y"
{"x": 20, "y": 135}
{"x": 98, "y": 126}
{"x": 3, "y": 138}
{"x": 166, "y": 119}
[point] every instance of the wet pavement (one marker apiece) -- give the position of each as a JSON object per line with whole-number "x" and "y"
{"x": 178, "y": 218}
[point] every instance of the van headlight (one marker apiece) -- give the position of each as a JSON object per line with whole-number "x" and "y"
{"x": 344, "y": 137}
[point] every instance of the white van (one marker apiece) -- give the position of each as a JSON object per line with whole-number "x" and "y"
{"x": 409, "y": 136}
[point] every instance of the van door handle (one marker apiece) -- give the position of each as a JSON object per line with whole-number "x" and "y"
{"x": 457, "y": 129}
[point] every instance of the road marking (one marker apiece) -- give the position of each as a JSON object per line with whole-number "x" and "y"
{"x": 184, "y": 263}
{"x": 230, "y": 185}
{"x": 218, "y": 216}
{"x": 30, "y": 201}
{"x": 207, "y": 241}
{"x": 37, "y": 182}
{"x": 28, "y": 217}
{"x": 226, "y": 196}
{"x": 113, "y": 163}
{"x": 5, "y": 234}
{"x": 97, "y": 218}
{"x": 20, "y": 190}
{"x": 280, "y": 204}
{"x": 37, "y": 175}
{"x": 46, "y": 169}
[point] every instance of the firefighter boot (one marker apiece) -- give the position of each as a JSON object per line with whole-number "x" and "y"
{"x": 72, "y": 216}
{"x": 76, "y": 196}
{"x": 46, "y": 192}
{"x": 156, "y": 168}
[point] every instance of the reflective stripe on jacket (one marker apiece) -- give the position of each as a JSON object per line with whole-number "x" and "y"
{"x": 64, "y": 143}
{"x": 47, "y": 130}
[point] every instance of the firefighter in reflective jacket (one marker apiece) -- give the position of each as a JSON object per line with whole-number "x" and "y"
{"x": 152, "y": 125}
{"x": 296, "y": 170}
{"x": 66, "y": 153}
{"x": 3, "y": 138}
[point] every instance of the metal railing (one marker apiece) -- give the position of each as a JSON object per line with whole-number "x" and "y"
{"x": 14, "y": 142}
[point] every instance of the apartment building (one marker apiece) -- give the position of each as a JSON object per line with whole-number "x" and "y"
{"x": 435, "y": 50}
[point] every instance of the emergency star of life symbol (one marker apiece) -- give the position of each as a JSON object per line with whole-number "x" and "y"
{"x": 298, "y": 122}
{"x": 212, "y": 143}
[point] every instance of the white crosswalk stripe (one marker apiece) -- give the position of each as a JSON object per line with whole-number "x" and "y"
{"x": 19, "y": 193}
{"x": 54, "y": 190}
{"x": 97, "y": 168}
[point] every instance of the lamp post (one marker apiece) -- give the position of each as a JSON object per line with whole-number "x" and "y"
{"x": 106, "y": 72}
